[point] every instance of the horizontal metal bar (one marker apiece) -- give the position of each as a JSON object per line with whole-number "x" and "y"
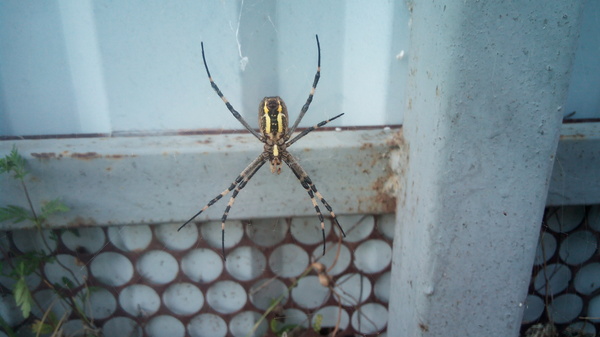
{"x": 135, "y": 180}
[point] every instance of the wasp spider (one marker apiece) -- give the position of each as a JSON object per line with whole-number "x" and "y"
{"x": 275, "y": 134}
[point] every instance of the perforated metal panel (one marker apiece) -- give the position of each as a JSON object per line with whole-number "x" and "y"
{"x": 565, "y": 283}
{"x": 156, "y": 281}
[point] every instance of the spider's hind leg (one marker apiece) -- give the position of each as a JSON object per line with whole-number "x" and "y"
{"x": 255, "y": 166}
{"x": 236, "y": 186}
{"x": 214, "y": 200}
{"x": 312, "y": 191}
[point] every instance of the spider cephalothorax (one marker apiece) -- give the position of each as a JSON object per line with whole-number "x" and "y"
{"x": 275, "y": 134}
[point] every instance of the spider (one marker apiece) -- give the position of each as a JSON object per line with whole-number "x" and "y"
{"x": 275, "y": 134}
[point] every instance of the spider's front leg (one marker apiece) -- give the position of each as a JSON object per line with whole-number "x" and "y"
{"x": 224, "y": 99}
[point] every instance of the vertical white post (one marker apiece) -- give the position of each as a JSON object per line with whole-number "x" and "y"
{"x": 486, "y": 85}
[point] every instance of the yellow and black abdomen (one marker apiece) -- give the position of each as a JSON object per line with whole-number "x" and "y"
{"x": 273, "y": 117}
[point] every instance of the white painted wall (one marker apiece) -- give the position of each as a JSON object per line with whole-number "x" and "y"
{"x": 125, "y": 66}
{"x": 584, "y": 91}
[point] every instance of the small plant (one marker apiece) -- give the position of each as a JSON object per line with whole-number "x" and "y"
{"x": 286, "y": 330}
{"x": 15, "y": 164}
{"x": 19, "y": 266}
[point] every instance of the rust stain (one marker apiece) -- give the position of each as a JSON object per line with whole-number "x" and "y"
{"x": 574, "y": 136}
{"x": 95, "y": 155}
{"x": 397, "y": 140}
{"x": 118, "y": 156}
{"x": 81, "y": 222}
{"x": 206, "y": 141}
{"x": 375, "y": 159}
{"x": 86, "y": 155}
{"x": 45, "y": 155}
{"x": 387, "y": 184}
{"x": 366, "y": 146}
{"x": 383, "y": 196}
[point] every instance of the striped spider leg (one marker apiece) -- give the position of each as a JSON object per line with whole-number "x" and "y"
{"x": 275, "y": 135}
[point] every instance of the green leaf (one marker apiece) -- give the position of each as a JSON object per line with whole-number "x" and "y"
{"x": 40, "y": 328}
{"x": 15, "y": 213}
{"x": 23, "y": 297}
{"x": 53, "y": 206}
{"x": 68, "y": 283}
{"x": 31, "y": 261}
{"x": 93, "y": 289}
{"x": 21, "y": 268}
{"x": 14, "y": 163}
{"x": 19, "y": 291}
{"x": 26, "y": 264}
{"x": 285, "y": 328}
{"x": 318, "y": 322}
{"x": 53, "y": 236}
